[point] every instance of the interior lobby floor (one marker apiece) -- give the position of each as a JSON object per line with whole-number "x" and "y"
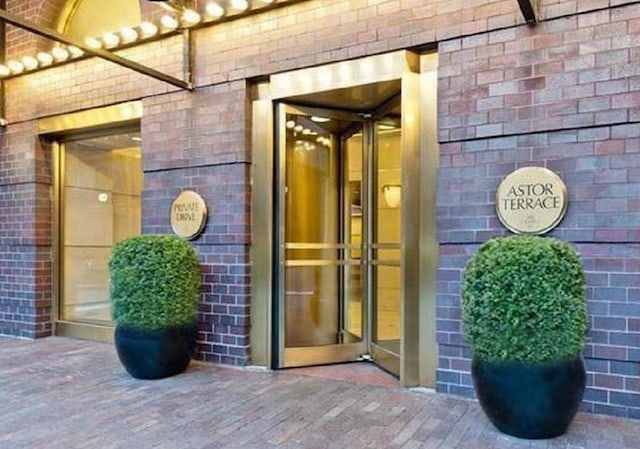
{"x": 59, "y": 393}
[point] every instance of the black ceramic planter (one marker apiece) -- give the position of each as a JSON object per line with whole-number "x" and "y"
{"x": 155, "y": 354}
{"x": 530, "y": 400}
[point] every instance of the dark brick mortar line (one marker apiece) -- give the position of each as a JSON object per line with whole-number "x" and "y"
{"x": 533, "y": 133}
{"x": 190, "y": 167}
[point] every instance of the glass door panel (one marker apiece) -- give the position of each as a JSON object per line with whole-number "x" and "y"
{"x": 354, "y": 235}
{"x": 101, "y": 205}
{"x": 386, "y": 243}
{"x": 311, "y": 238}
{"x": 318, "y": 321}
{"x": 339, "y": 195}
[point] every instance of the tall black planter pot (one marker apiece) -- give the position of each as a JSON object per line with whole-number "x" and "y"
{"x": 531, "y": 401}
{"x": 155, "y": 354}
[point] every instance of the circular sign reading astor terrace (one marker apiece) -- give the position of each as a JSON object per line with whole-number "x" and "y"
{"x": 531, "y": 200}
{"x": 188, "y": 214}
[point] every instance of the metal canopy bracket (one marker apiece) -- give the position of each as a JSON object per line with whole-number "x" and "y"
{"x": 529, "y": 10}
{"x": 104, "y": 54}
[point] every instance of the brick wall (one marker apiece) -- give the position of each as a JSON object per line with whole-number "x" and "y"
{"x": 25, "y": 234}
{"x": 198, "y": 142}
{"x": 564, "y": 95}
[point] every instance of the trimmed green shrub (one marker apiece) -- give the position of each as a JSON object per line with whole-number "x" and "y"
{"x": 154, "y": 282}
{"x": 523, "y": 300}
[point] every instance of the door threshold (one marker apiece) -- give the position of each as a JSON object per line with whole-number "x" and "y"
{"x": 361, "y": 373}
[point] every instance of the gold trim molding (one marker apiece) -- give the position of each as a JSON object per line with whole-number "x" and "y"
{"x": 90, "y": 119}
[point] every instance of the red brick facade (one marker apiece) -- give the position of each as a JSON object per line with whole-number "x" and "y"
{"x": 564, "y": 94}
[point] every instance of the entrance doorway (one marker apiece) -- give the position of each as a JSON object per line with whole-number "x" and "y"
{"x": 98, "y": 204}
{"x": 344, "y": 249}
{"x": 339, "y": 186}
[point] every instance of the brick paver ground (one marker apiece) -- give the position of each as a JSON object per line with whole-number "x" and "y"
{"x": 60, "y": 393}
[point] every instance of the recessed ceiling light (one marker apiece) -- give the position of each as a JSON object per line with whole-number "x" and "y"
{"x": 317, "y": 119}
{"x": 385, "y": 127}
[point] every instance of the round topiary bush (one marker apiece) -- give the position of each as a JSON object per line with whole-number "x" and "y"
{"x": 154, "y": 282}
{"x": 523, "y": 300}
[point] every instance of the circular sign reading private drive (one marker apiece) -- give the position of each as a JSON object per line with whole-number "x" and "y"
{"x": 531, "y": 200}
{"x": 188, "y": 214}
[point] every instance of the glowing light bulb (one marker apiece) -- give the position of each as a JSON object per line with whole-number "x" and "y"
{"x": 169, "y": 22}
{"x": 214, "y": 10}
{"x": 15, "y": 67}
{"x": 128, "y": 34}
{"x": 298, "y": 128}
{"x": 93, "y": 42}
{"x": 4, "y": 70}
{"x": 44, "y": 58}
{"x": 75, "y": 51}
{"x": 191, "y": 17}
{"x": 148, "y": 29}
{"x": 110, "y": 39}
{"x": 290, "y": 124}
{"x": 30, "y": 62}
{"x": 240, "y": 5}
{"x": 60, "y": 54}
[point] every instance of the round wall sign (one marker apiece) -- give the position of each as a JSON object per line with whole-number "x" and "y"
{"x": 531, "y": 200}
{"x": 188, "y": 214}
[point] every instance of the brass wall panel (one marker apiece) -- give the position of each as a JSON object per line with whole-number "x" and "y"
{"x": 109, "y": 116}
{"x": 429, "y": 161}
{"x": 357, "y": 72}
{"x": 411, "y": 227}
{"x": 386, "y": 359}
{"x": 58, "y": 176}
{"x": 262, "y": 230}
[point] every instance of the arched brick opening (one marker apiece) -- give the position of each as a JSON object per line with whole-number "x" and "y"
{"x": 46, "y": 13}
{"x": 41, "y": 12}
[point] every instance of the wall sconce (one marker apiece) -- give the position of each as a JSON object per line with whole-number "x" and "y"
{"x": 392, "y": 194}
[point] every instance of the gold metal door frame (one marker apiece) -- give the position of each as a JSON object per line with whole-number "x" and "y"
{"x": 418, "y": 75}
{"x": 76, "y": 125}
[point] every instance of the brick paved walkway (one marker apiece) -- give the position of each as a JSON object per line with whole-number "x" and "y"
{"x": 60, "y": 393}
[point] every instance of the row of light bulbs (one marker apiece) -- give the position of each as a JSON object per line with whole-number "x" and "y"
{"x": 168, "y": 23}
{"x": 306, "y": 132}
